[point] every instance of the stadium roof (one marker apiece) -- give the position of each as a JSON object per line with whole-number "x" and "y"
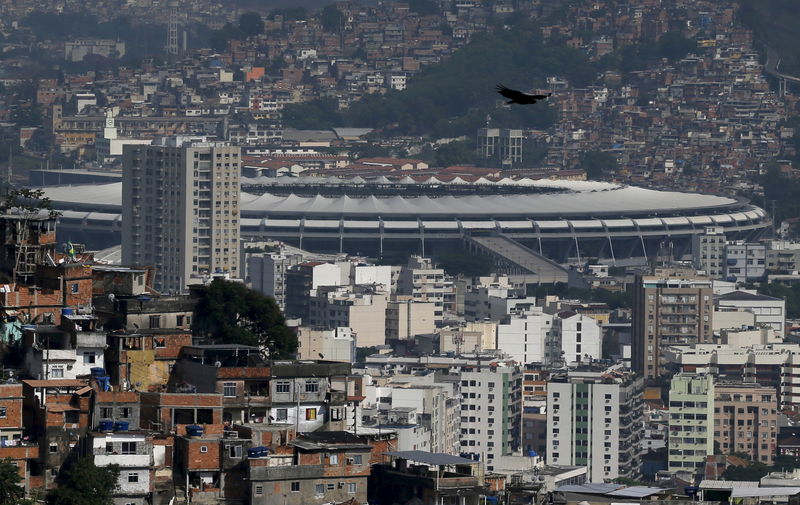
{"x": 579, "y": 198}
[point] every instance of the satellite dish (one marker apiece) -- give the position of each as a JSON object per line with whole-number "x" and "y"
{"x": 111, "y": 296}
{"x": 217, "y": 364}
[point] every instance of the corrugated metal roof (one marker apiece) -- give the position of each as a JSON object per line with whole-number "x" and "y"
{"x": 636, "y": 492}
{"x": 764, "y": 491}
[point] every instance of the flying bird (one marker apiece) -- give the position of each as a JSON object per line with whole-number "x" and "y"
{"x": 519, "y": 97}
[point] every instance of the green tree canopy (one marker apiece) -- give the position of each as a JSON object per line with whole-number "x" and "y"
{"x": 331, "y": 18}
{"x": 11, "y": 490}
{"x": 251, "y": 24}
{"x": 598, "y": 163}
{"x": 230, "y": 313}
{"x": 85, "y": 484}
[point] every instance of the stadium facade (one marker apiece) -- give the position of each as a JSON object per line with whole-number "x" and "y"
{"x": 379, "y": 216}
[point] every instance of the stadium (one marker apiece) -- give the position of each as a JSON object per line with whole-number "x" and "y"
{"x": 562, "y": 220}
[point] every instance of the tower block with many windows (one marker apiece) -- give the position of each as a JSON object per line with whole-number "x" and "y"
{"x": 180, "y": 209}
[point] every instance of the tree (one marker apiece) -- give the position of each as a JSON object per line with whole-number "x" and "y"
{"x": 598, "y": 163}
{"x": 331, "y": 18}
{"x": 230, "y": 313}
{"x": 11, "y": 492}
{"x": 85, "y": 484}
{"x": 754, "y": 471}
{"x": 251, "y": 24}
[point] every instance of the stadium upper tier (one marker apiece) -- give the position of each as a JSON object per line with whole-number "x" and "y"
{"x": 326, "y": 208}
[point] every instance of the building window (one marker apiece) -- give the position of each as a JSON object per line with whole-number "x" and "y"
{"x": 159, "y": 343}
{"x": 259, "y": 490}
{"x": 203, "y": 448}
{"x": 3, "y": 412}
{"x": 311, "y": 414}
{"x": 57, "y": 372}
{"x": 125, "y": 412}
{"x": 358, "y": 459}
{"x": 128, "y": 447}
{"x": 229, "y": 389}
{"x": 319, "y": 489}
{"x": 296, "y": 486}
{"x": 155, "y": 321}
{"x": 53, "y": 448}
{"x": 351, "y": 487}
{"x": 133, "y": 477}
{"x": 109, "y": 447}
{"x": 283, "y": 387}
{"x": 312, "y": 386}
{"x": 334, "y": 459}
{"x": 89, "y": 358}
{"x": 235, "y": 451}
{"x": 75, "y": 288}
{"x": 281, "y": 414}
{"x": 106, "y": 412}
{"x": 179, "y": 320}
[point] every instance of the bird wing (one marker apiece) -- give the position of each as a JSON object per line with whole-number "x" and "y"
{"x": 511, "y": 94}
{"x": 541, "y": 97}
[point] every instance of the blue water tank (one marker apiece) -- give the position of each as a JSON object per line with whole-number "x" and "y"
{"x": 121, "y": 426}
{"x": 531, "y": 454}
{"x": 258, "y": 452}
{"x": 194, "y": 430}
{"x": 67, "y": 311}
{"x": 97, "y": 371}
{"x": 105, "y": 426}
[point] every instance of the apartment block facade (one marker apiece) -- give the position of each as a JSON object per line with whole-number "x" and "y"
{"x": 180, "y": 209}
{"x": 671, "y": 307}
{"x": 595, "y": 419}
{"x": 691, "y": 421}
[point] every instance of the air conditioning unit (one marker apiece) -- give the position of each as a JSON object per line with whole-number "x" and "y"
{"x": 349, "y": 461}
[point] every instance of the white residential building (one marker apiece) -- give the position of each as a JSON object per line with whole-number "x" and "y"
{"x": 180, "y": 209}
{"x": 745, "y": 261}
{"x": 491, "y": 413}
{"x": 360, "y": 308}
{"x": 574, "y": 339}
{"x": 493, "y": 303}
{"x": 768, "y": 311}
{"x": 425, "y": 283}
{"x": 594, "y": 418}
{"x": 523, "y": 335}
{"x": 708, "y": 252}
{"x": 266, "y": 273}
{"x": 133, "y": 453}
{"x": 337, "y": 344}
{"x": 407, "y": 318}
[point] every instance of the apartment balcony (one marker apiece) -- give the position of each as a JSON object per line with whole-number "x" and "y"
{"x": 123, "y": 460}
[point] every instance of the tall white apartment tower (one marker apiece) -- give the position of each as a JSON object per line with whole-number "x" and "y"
{"x": 595, "y": 419}
{"x": 180, "y": 209}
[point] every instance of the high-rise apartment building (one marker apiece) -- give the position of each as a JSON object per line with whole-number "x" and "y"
{"x": 180, "y": 209}
{"x": 691, "y": 422}
{"x": 491, "y": 413}
{"x": 745, "y": 261}
{"x": 671, "y": 307}
{"x": 708, "y": 251}
{"x": 746, "y": 419}
{"x": 595, "y": 419}
{"x": 425, "y": 283}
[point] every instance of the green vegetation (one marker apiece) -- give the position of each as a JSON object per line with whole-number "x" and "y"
{"x": 363, "y": 352}
{"x": 612, "y": 299}
{"x": 461, "y": 261}
{"x": 598, "y": 164}
{"x": 251, "y": 24}
{"x": 289, "y": 13}
{"x": 790, "y": 294}
{"x": 774, "y": 24}
{"x": 783, "y": 190}
{"x": 230, "y": 313}
{"x": 85, "y": 484}
{"x": 11, "y": 490}
{"x": 331, "y": 18}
